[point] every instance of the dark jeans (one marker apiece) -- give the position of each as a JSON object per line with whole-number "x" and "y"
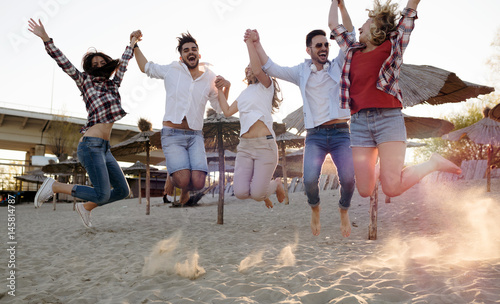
{"x": 319, "y": 142}
{"x": 109, "y": 183}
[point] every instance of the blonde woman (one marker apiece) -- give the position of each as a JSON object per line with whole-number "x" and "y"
{"x": 369, "y": 87}
{"x": 257, "y": 154}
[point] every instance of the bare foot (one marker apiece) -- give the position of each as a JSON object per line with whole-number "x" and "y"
{"x": 345, "y": 224}
{"x": 315, "y": 223}
{"x": 280, "y": 191}
{"x": 442, "y": 164}
{"x": 184, "y": 197}
{"x": 169, "y": 187}
{"x": 269, "y": 204}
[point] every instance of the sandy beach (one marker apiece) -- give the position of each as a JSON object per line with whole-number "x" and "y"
{"x": 436, "y": 244}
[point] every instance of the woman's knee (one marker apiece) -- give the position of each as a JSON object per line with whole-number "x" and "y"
{"x": 241, "y": 194}
{"x": 102, "y": 197}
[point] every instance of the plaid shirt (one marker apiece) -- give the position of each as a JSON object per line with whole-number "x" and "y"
{"x": 101, "y": 96}
{"x": 388, "y": 79}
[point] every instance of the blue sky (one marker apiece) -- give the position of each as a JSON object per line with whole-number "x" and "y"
{"x": 453, "y": 35}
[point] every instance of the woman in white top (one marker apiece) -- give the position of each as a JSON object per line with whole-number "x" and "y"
{"x": 257, "y": 155}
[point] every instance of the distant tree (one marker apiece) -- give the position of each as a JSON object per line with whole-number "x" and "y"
{"x": 63, "y": 137}
{"x": 464, "y": 149}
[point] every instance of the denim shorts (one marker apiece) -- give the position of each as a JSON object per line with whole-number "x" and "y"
{"x": 183, "y": 149}
{"x": 372, "y": 127}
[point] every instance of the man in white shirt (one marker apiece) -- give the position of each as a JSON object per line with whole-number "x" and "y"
{"x": 326, "y": 123}
{"x": 189, "y": 84}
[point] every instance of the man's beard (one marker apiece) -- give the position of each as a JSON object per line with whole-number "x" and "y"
{"x": 186, "y": 62}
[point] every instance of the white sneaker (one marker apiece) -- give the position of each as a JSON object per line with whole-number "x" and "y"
{"x": 44, "y": 193}
{"x": 84, "y": 214}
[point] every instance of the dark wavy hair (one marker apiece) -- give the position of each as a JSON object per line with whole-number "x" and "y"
{"x": 185, "y": 38}
{"x": 105, "y": 71}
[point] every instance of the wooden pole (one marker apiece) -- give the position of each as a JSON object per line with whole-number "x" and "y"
{"x": 140, "y": 187}
{"x": 488, "y": 169}
{"x": 283, "y": 166}
{"x": 222, "y": 176}
{"x": 372, "y": 229}
{"x": 147, "y": 179}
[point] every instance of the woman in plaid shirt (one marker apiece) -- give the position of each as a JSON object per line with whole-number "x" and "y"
{"x": 369, "y": 87}
{"x": 102, "y": 101}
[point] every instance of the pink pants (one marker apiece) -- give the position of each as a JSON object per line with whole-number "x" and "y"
{"x": 256, "y": 161}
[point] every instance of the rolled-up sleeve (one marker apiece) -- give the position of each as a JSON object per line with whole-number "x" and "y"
{"x": 154, "y": 70}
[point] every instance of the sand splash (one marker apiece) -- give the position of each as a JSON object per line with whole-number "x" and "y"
{"x": 165, "y": 257}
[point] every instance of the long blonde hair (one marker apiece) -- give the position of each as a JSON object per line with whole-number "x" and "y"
{"x": 383, "y": 21}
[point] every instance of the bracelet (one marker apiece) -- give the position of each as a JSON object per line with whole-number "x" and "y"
{"x": 136, "y": 45}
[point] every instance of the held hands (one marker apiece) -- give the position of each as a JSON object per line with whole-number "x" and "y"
{"x": 221, "y": 83}
{"x": 251, "y": 35}
{"x": 38, "y": 29}
{"x": 135, "y": 36}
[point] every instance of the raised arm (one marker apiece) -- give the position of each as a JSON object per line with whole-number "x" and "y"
{"x": 333, "y": 17}
{"x": 124, "y": 60}
{"x": 255, "y": 62}
{"x": 39, "y": 30}
{"x": 253, "y": 35}
{"x": 139, "y": 56}
{"x": 413, "y": 4}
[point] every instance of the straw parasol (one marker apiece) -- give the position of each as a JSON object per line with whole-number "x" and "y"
{"x": 137, "y": 144}
{"x": 138, "y": 168}
{"x": 495, "y": 113}
{"x": 426, "y": 127}
{"x": 425, "y": 83}
{"x": 35, "y": 176}
{"x": 287, "y": 140}
{"x": 485, "y": 132}
{"x": 68, "y": 167}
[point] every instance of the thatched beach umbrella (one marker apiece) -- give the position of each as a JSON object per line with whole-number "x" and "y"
{"x": 287, "y": 140}
{"x": 426, "y": 127}
{"x": 495, "y": 113}
{"x": 485, "y": 132}
{"x": 137, "y": 144}
{"x": 137, "y": 169}
{"x": 425, "y": 83}
{"x": 68, "y": 167}
{"x": 36, "y": 176}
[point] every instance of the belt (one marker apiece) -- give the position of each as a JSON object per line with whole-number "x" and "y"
{"x": 342, "y": 125}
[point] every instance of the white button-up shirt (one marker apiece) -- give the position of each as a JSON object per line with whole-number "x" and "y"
{"x": 300, "y": 75}
{"x": 186, "y": 97}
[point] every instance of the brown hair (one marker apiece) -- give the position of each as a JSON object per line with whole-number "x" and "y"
{"x": 383, "y": 21}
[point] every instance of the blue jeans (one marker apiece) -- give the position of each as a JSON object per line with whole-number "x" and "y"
{"x": 104, "y": 173}
{"x": 319, "y": 142}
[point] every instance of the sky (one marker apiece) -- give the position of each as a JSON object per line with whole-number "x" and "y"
{"x": 452, "y": 35}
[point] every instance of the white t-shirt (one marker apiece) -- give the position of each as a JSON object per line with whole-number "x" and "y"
{"x": 319, "y": 88}
{"x": 255, "y": 103}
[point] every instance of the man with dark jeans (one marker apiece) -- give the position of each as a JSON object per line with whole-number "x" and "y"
{"x": 326, "y": 123}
